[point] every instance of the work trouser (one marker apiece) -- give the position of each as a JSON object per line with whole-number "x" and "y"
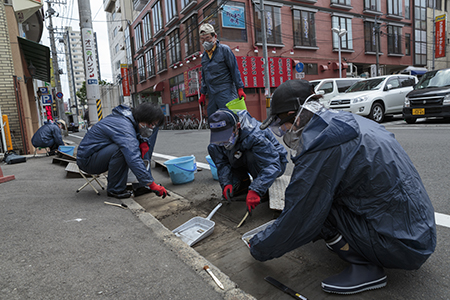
{"x": 109, "y": 159}
{"x": 220, "y": 100}
{"x": 148, "y": 156}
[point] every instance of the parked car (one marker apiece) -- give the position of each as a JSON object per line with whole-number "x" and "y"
{"x": 331, "y": 87}
{"x": 376, "y": 97}
{"x": 430, "y": 97}
{"x": 73, "y": 123}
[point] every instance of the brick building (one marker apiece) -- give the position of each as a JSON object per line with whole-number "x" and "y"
{"x": 163, "y": 44}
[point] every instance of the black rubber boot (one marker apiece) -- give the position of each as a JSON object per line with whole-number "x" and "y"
{"x": 360, "y": 276}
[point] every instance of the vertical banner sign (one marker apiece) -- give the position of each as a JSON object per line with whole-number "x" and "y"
{"x": 192, "y": 81}
{"x": 125, "y": 79}
{"x": 440, "y": 36}
{"x": 90, "y": 62}
{"x": 252, "y": 70}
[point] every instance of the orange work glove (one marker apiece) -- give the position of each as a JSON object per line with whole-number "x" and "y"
{"x": 202, "y": 99}
{"x": 144, "y": 148}
{"x": 252, "y": 200}
{"x": 228, "y": 192}
{"x": 241, "y": 94}
{"x": 158, "y": 189}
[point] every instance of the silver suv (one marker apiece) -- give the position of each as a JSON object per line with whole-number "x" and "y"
{"x": 375, "y": 97}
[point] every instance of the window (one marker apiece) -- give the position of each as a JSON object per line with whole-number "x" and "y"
{"x": 346, "y": 39}
{"x": 117, "y": 64}
{"x": 311, "y": 69}
{"x": 407, "y": 10}
{"x": 229, "y": 21}
{"x": 407, "y": 44}
{"x": 115, "y": 31}
{"x": 185, "y": 3}
{"x": 138, "y": 36}
{"x": 420, "y": 34}
{"x": 394, "y": 39}
{"x": 160, "y": 56}
{"x": 177, "y": 94}
{"x": 407, "y": 81}
{"x": 174, "y": 46}
{"x": 128, "y": 44}
{"x": 171, "y": 10}
{"x": 113, "y": 15}
{"x": 304, "y": 28}
{"x": 370, "y": 36}
{"x": 116, "y": 48}
{"x": 192, "y": 41}
{"x": 273, "y": 24}
{"x": 150, "y": 63}
{"x": 141, "y": 69}
{"x": 157, "y": 17}
{"x": 327, "y": 87}
{"x": 438, "y": 4}
{"x": 374, "y": 5}
{"x": 342, "y": 2}
{"x": 395, "y": 84}
{"x": 343, "y": 85}
{"x": 395, "y": 7}
{"x": 72, "y": 33}
{"x": 147, "y": 28}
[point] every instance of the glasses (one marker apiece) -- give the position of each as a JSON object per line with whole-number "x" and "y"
{"x": 278, "y": 127}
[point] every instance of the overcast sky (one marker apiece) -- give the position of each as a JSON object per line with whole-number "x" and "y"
{"x": 69, "y": 16}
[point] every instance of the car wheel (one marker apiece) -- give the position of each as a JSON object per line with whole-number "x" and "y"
{"x": 410, "y": 120}
{"x": 377, "y": 113}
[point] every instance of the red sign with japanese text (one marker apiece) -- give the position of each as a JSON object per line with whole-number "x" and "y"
{"x": 125, "y": 79}
{"x": 252, "y": 70}
{"x": 192, "y": 81}
{"x": 440, "y": 36}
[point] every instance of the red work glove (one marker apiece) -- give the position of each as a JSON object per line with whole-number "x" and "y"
{"x": 144, "y": 148}
{"x": 202, "y": 99}
{"x": 253, "y": 199}
{"x": 158, "y": 189}
{"x": 241, "y": 94}
{"x": 228, "y": 192}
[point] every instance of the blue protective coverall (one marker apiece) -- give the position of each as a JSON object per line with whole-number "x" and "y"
{"x": 49, "y": 135}
{"x": 220, "y": 77}
{"x": 256, "y": 152}
{"x": 354, "y": 171}
{"x": 112, "y": 145}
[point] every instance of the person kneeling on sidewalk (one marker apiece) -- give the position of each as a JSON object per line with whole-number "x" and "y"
{"x": 116, "y": 143}
{"x": 238, "y": 147}
{"x": 354, "y": 186}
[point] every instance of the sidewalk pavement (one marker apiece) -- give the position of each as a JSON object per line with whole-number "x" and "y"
{"x": 59, "y": 244}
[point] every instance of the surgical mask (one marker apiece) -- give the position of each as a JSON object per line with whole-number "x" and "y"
{"x": 231, "y": 142}
{"x": 145, "y": 131}
{"x": 208, "y": 45}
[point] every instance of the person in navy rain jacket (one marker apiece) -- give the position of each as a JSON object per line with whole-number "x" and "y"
{"x": 119, "y": 142}
{"x": 352, "y": 185}
{"x": 49, "y": 135}
{"x": 220, "y": 72}
{"x": 238, "y": 147}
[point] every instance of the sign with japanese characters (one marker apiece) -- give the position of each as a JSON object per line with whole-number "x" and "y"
{"x": 440, "y": 36}
{"x": 125, "y": 79}
{"x": 252, "y": 70}
{"x": 90, "y": 62}
{"x": 233, "y": 17}
{"x": 192, "y": 81}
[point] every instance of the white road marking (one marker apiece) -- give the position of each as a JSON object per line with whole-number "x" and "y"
{"x": 442, "y": 219}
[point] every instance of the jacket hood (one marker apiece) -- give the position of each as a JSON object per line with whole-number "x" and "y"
{"x": 248, "y": 124}
{"x": 126, "y": 112}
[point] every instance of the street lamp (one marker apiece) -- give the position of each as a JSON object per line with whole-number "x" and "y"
{"x": 340, "y": 32}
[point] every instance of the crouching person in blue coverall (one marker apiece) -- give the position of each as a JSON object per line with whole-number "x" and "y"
{"x": 119, "y": 142}
{"x": 352, "y": 185}
{"x": 48, "y": 135}
{"x": 238, "y": 147}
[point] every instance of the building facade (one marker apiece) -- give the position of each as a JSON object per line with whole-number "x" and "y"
{"x": 74, "y": 61}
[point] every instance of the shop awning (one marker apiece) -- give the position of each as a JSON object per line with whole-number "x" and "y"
{"x": 158, "y": 87}
{"x": 39, "y": 55}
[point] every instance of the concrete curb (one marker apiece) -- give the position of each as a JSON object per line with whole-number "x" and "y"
{"x": 188, "y": 255}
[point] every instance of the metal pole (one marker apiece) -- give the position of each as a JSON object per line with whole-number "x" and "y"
{"x": 339, "y": 48}
{"x": 434, "y": 32}
{"x": 59, "y": 102}
{"x": 266, "y": 60}
{"x": 90, "y": 59}
{"x": 377, "y": 31}
{"x": 3, "y": 132}
{"x": 73, "y": 77}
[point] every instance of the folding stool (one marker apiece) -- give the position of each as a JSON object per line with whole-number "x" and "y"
{"x": 88, "y": 181}
{"x": 40, "y": 148}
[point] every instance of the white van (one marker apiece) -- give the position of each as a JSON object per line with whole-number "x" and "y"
{"x": 331, "y": 87}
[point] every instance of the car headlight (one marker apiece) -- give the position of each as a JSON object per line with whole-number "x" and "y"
{"x": 360, "y": 99}
{"x": 407, "y": 103}
{"x": 446, "y": 100}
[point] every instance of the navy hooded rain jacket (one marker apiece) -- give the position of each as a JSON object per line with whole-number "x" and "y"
{"x": 355, "y": 170}
{"x": 268, "y": 155}
{"x": 48, "y": 135}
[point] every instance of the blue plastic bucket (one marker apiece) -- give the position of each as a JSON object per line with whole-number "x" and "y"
{"x": 66, "y": 149}
{"x": 212, "y": 167}
{"x": 181, "y": 169}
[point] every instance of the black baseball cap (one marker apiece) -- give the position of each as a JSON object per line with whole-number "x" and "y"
{"x": 288, "y": 97}
{"x": 222, "y": 124}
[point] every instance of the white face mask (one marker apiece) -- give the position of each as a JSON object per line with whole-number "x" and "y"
{"x": 208, "y": 45}
{"x": 145, "y": 131}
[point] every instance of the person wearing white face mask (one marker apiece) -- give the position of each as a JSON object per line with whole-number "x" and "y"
{"x": 238, "y": 148}
{"x": 354, "y": 186}
{"x": 221, "y": 78}
{"x": 118, "y": 143}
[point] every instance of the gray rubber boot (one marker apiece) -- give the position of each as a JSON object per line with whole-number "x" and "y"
{"x": 360, "y": 276}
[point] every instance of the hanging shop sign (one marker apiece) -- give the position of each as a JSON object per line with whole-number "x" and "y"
{"x": 192, "y": 81}
{"x": 233, "y": 17}
{"x": 125, "y": 79}
{"x": 252, "y": 70}
{"x": 440, "y": 36}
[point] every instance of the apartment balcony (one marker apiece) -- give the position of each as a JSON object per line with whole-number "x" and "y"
{"x": 139, "y": 4}
{"x": 109, "y": 5}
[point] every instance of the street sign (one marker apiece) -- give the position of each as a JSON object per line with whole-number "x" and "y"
{"x": 59, "y": 95}
{"x": 47, "y": 99}
{"x": 43, "y": 90}
{"x": 300, "y": 75}
{"x": 299, "y": 67}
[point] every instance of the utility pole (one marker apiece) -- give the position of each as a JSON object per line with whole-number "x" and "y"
{"x": 90, "y": 60}
{"x": 266, "y": 58}
{"x": 51, "y": 30}
{"x": 377, "y": 36}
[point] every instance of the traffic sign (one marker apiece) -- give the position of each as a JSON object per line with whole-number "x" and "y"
{"x": 43, "y": 90}
{"x": 59, "y": 95}
{"x": 47, "y": 99}
{"x": 299, "y": 67}
{"x": 300, "y": 75}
